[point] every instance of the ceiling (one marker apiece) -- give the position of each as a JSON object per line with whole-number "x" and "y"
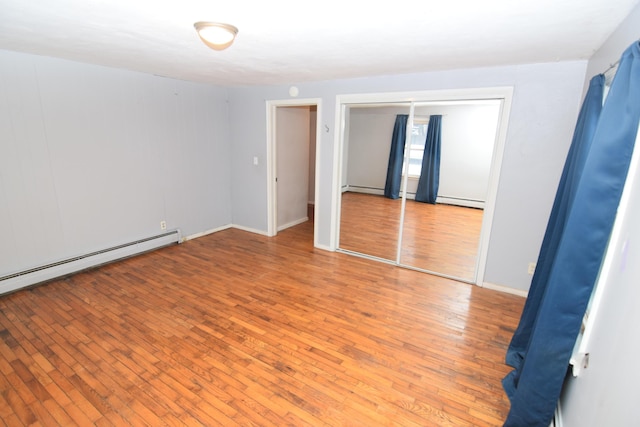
{"x": 295, "y": 41}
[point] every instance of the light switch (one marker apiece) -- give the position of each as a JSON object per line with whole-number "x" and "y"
{"x": 255, "y": 160}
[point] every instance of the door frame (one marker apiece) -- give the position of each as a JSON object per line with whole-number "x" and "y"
{"x": 504, "y": 93}
{"x": 272, "y": 195}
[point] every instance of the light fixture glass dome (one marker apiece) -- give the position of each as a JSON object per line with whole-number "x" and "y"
{"x": 216, "y": 35}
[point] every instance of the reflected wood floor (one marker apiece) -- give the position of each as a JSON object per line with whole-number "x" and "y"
{"x": 440, "y": 238}
{"x": 240, "y": 329}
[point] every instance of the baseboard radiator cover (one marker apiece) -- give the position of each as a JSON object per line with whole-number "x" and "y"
{"x": 557, "y": 417}
{"x": 34, "y": 276}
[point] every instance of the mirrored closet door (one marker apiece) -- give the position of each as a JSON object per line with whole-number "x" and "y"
{"x": 415, "y": 177}
{"x": 369, "y": 221}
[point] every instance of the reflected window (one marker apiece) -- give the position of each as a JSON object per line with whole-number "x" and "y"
{"x": 416, "y": 148}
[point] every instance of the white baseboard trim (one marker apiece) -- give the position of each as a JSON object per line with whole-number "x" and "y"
{"x": 204, "y": 233}
{"x": 505, "y": 289}
{"x": 243, "y": 228}
{"x": 292, "y": 223}
{"x": 461, "y": 202}
{"x": 249, "y": 229}
{"x": 364, "y": 190}
{"x": 324, "y": 248}
{"x": 61, "y": 268}
{"x": 411, "y": 196}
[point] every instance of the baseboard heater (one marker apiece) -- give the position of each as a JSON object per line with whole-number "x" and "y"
{"x": 556, "y": 421}
{"x": 33, "y": 276}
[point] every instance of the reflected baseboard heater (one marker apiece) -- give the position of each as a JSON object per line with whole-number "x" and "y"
{"x": 33, "y": 276}
{"x": 556, "y": 421}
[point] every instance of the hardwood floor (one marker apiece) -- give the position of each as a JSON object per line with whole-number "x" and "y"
{"x": 369, "y": 224}
{"x": 440, "y": 238}
{"x": 240, "y": 329}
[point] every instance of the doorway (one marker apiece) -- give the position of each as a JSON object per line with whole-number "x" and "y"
{"x": 292, "y": 140}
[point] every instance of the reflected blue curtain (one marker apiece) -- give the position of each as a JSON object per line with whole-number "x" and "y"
{"x": 574, "y": 245}
{"x": 396, "y": 157}
{"x": 430, "y": 175}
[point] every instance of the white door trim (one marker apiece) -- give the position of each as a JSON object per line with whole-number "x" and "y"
{"x": 272, "y": 196}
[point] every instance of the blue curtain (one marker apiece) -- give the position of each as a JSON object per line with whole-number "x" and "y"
{"x": 574, "y": 165}
{"x": 396, "y": 157}
{"x": 574, "y": 245}
{"x": 430, "y": 175}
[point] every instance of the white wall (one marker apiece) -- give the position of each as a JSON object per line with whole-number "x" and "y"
{"x": 468, "y": 136}
{"x": 611, "y": 50}
{"x": 468, "y": 139}
{"x": 370, "y": 131}
{"x": 292, "y": 159}
{"x": 344, "y": 173}
{"x": 92, "y": 156}
{"x": 606, "y": 392}
{"x": 312, "y": 154}
{"x": 545, "y": 107}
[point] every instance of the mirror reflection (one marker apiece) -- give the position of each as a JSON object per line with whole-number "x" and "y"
{"x": 369, "y": 222}
{"x": 423, "y": 207}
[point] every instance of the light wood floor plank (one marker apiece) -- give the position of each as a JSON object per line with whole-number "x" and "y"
{"x": 440, "y": 238}
{"x": 240, "y": 329}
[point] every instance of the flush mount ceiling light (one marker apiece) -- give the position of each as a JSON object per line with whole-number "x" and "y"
{"x": 216, "y": 35}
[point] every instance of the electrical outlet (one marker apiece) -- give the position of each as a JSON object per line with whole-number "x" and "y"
{"x": 532, "y": 268}
{"x": 163, "y": 225}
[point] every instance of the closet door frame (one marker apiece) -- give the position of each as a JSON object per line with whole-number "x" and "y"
{"x": 504, "y": 94}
